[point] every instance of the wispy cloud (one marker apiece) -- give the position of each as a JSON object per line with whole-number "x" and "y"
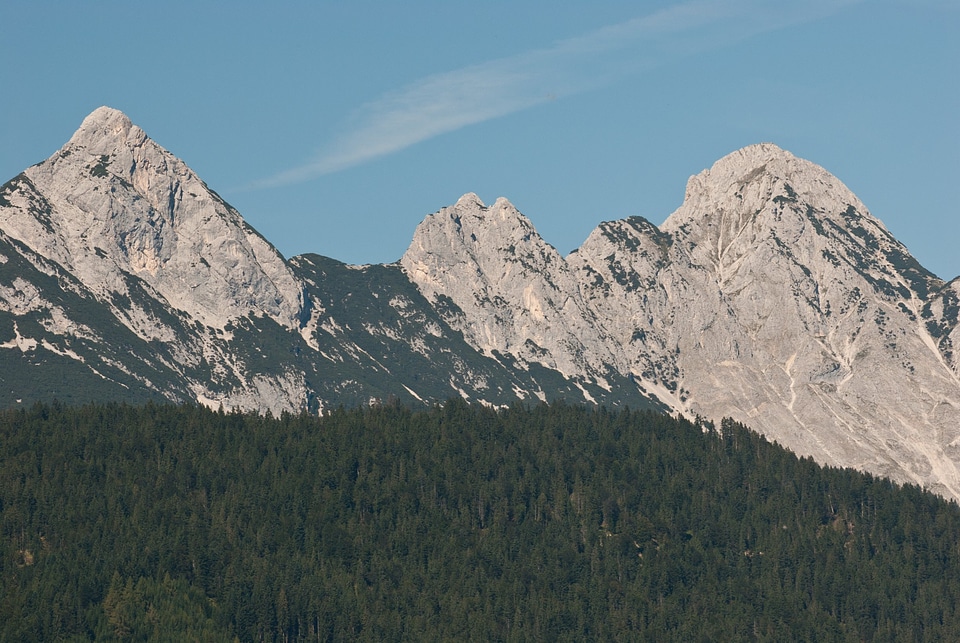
{"x": 449, "y": 101}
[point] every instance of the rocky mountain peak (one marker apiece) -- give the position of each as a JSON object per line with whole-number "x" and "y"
{"x": 771, "y": 296}
{"x": 516, "y": 294}
{"x": 468, "y": 200}
{"x": 763, "y": 201}
{"x": 749, "y": 179}
{"x": 104, "y": 129}
{"x": 802, "y": 304}
{"x": 472, "y": 217}
{"x": 112, "y": 205}
{"x": 471, "y": 231}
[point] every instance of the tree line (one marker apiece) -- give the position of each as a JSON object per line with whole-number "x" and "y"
{"x": 455, "y": 522}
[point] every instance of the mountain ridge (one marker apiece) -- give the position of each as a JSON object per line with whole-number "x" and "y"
{"x": 771, "y": 296}
{"x": 154, "y": 230}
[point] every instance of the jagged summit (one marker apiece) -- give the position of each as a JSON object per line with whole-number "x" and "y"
{"x": 112, "y": 205}
{"x": 105, "y": 114}
{"x": 469, "y": 199}
{"x": 108, "y": 132}
{"x": 104, "y": 125}
{"x": 516, "y": 292}
{"x": 771, "y": 296}
{"x": 762, "y": 201}
{"x": 469, "y": 226}
{"x": 749, "y": 178}
{"x": 753, "y": 156}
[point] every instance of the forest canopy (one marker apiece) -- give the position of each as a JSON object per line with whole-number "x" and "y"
{"x": 456, "y": 522}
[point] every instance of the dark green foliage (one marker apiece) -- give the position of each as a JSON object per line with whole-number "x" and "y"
{"x": 390, "y": 343}
{"x": 940, "y": 325}
{"x": 790, "y": 197}
{"x": 108, "y": 351}
{"x": 100, "y": 169}
{"x": 10, "y": 187}
{"x": 453, "y": 523}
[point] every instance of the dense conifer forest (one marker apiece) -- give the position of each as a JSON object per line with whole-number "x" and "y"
{"x": 457, "y": 522}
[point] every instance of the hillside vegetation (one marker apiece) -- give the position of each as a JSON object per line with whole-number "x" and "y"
{"x": 457, "y": 522}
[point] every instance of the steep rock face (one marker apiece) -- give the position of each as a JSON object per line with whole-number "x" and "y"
{"x": 941, "y": 317}
{"x": 514, "y": 292}
{"x": 621, "y": 272}
{"x": 787, "y": 306}
{"x": 57, "y": 340}
{"x": 133, "y": 237}
{"x": 771, "y": 296}
{"x": 112, "y": 204}
{"x": 373, "y": 335}
{"x": 122, "y": 276}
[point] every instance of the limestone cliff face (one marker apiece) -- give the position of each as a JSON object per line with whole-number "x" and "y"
{"x": 941, "y": 318}
{"x": 124, "y": 224}
{"x": 516, "y": 294}
{"x": 112, "y": 204}
{"x": 785, "y": 305}
{"x": 771, "y": 296}
{"x": 122, "y": 276}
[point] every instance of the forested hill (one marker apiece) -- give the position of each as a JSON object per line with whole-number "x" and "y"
{"x": 552, "y": 522}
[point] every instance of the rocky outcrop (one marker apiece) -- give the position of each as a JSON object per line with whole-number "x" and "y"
{"x": 123, "y": 276}
{"x": 771, "y": 296}
{"x": 785, "y": 305}
{"x": 112, "y": 205}
{"x": 139, "y": 233}
{"x": 515, "y": 293}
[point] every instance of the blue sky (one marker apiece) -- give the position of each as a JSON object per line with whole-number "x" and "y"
{"x": 336, "y": 127}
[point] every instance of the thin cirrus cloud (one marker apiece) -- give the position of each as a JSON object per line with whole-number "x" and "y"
{"x": 449, "y": 101}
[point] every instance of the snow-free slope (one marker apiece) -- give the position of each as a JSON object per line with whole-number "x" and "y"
{"x": 771, "y": 296}
{"x": 111, "y": 203}
{"x": 788, "y": 307}
{"x": 123, "y": 276}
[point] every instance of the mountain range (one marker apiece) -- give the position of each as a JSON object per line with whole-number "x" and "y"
{"x": 771, "y": 296}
